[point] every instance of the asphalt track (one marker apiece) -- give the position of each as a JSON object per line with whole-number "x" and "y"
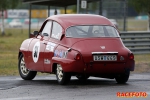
{"x": 47, "y": 88}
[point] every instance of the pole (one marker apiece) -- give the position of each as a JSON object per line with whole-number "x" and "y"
{"x": 65, "y": 9}
{"x": 100, "y": 7}
{"x": 148, "y": 26}
{"x": 87, "y": 8}
{"x": 30, "y": 19}
{"x": 55, "y": 12}
{"x": 125, "y": 10}
{"x": 48, "y": 10}
{"x": 78, "y": 5}
{"x": 2, "y": 26}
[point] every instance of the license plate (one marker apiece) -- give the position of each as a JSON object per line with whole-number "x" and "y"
{"x": 104, "y": 57}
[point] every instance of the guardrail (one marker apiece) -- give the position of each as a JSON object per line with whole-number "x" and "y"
{"x": 137, "y": 42}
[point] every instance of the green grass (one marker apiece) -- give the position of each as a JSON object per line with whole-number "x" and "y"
{"x": 142, "y": 63}
{"x": 9, "y": 47}
{"x": 133, "y": 25}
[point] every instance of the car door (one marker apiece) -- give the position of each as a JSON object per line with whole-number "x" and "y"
{"x": 37, "y": 48}
{"x": 51, "y": 45}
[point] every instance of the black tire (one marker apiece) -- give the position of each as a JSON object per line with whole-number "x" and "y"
{"x": 62, "y": 77}
{"x": 23, "y": 71}
{"x": 122, "y": 78}
{"x": 82, "y": 77}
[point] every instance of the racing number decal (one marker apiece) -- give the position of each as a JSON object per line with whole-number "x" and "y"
{"x": 36, "y": 51}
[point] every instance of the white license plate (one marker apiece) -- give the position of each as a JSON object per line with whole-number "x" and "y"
{"x": 104, "y": 57}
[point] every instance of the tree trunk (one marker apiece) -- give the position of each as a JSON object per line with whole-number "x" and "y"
{"x": 148, "y": 21}
{"x": 2, "y": 24}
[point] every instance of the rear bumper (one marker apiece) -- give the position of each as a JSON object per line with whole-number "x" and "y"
{"x": 109, "y": 68}
{"x": 106, "y": 68}
{"x": 94, "y": 67}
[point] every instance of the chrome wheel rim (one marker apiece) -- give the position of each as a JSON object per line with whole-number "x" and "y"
{"x": 59, "y": 72}
{"x": 23, "y": 68}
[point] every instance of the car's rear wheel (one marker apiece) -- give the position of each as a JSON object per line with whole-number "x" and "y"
{"x": 122, "y": 78}
{"x": 23, "y": 71}
{"x": 62, "y": 77}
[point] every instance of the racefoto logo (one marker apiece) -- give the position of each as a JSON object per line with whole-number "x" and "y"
{"x": 132, "y": 94}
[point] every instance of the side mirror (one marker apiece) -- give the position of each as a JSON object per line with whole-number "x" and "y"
{"x": 35, "y": 33}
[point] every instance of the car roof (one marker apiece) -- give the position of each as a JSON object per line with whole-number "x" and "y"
{"x": 67, "y": 20}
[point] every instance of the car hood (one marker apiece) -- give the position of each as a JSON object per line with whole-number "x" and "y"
{"x": 104, "y": 45}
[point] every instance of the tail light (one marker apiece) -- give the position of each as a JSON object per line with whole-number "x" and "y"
{"x": 77, "y": 56}
{"x": 131, "y": 56}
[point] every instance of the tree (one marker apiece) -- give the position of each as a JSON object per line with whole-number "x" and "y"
{"x": 4, "y": 5}
{"x": 142, "y": 6}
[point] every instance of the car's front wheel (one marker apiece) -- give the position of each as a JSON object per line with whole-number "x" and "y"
{"x": 62, "y": 77}
{"x": 23, "y": 71}
{"x": 122, "y": 78}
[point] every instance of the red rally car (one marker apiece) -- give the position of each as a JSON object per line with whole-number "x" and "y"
{"x": 80, "y": 45}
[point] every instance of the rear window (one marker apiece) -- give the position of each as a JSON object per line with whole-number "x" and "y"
{"x": 88, "y": 31}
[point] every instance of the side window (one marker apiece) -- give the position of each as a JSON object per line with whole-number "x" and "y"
{"x": 56, "y": 31}
{"x": 47, "y": 29}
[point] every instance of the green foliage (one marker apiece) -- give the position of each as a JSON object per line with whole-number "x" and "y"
{"x": 140, "y": 5}
{"x": 6, "y": 4}
{"x": 3, "y": 4}
{"x": 94, "y": 5}
{"x": 26, "y": 6}
{"x": 74, "y": 8}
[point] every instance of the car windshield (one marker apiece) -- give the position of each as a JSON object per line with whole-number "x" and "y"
{"x": 88, "y": 31}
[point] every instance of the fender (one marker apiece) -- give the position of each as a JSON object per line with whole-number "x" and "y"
{"x": 25, "y": 44}
{"x": 66, "y": 63}
{"x": 69, "y": 65}
{"x": 24, "y": 48}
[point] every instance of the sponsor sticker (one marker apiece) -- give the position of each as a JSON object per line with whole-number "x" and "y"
{"x": 50, "y": 46}
{"x": 60, "y": 53}
{"x": 46, "y": 61}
